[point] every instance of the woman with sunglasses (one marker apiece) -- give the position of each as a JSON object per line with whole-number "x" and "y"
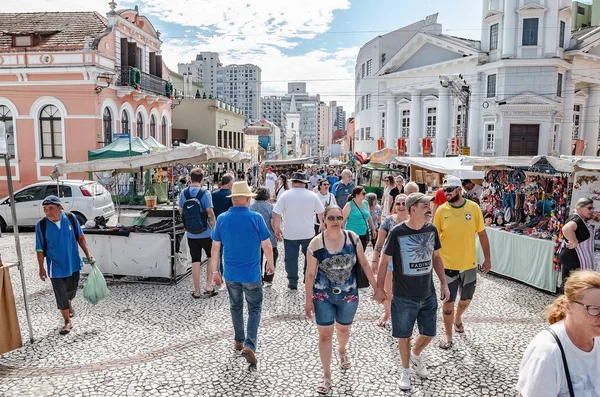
{"x": 331, "y": 292}
{"x": 386, "y": 200}
{"x": 575, "y": 323}
{"x": 326, "y": 198}
{"x": 399, "y": 215}
{"x": 357, "y": 217}
{"x": 577, "y": 251}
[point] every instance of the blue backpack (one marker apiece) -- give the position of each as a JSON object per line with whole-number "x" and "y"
{"x": 195, "y": 218}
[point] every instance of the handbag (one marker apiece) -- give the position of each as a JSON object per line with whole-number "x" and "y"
{"x": 361, "y": 278}
{"x": 564, "y": 360}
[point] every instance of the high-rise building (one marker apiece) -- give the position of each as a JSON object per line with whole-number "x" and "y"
{"x": 203, "y": 70}
{"x": 271, "y": 110}
{"x": 308, "y": 108}
{"x": 240, "y": 85}
{"x": 324, "y": 137}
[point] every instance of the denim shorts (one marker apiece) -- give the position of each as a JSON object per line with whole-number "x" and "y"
{"x": 407, "y": 311}
{"x": 339, "y": 308}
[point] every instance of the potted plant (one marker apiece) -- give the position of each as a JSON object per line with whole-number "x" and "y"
{"x": 150, "y": 197}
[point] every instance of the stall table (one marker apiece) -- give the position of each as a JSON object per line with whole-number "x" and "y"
{"x": 511, "y": 257}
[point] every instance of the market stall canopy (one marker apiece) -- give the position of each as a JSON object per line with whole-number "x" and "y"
{"x": 378, "y": 167}
{"x": 119, "y": 148}
{"x": 442, "y": 165}
{"x": 194, "y": 154}
{"x": 591, "y": 163}
{"x": 544, "y": 164}
{"x": 155, "y": 145}
{"x": 299, "y": 160}
{"x": 383, "y": 156}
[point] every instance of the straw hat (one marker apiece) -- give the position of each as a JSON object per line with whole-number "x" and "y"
{"x": 241, "y": 189}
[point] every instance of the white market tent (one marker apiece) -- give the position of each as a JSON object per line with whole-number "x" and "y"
{"x": 299, "y": 160}
{"x": 195, "y": 153}
{"x": 442, "y": 165}
{"x": 562, "y": 164}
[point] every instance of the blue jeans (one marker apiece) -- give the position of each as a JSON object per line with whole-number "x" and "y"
{"x": 254, "y": 297}
{"x": 291, "y": 258}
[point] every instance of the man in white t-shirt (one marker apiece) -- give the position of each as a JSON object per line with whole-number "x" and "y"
{"x": 473, "y": 190}
{"x": 270, "y": 180}
{"x": 297, "y": 207}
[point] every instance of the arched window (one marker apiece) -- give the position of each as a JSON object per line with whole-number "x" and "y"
{"x": 107, "y": 121}
{"x": 124, "y": 122}
{"x": 153, "y": 126}
{"x": 50, "y": 132}
{"x": 6, "y": 118}
{"x": 140, "y": 126}
{"x": 164, "y": 131}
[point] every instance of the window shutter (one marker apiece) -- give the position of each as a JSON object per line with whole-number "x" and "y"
{"x": 152, "y": 68}
{"x": 124, "y": 52}
{"x": 159, "y": 66}
{"x": 132, "y": 55}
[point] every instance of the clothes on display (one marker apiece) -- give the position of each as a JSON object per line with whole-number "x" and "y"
{"x": 10, "y": 334}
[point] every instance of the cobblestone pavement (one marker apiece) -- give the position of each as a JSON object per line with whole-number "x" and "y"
{"x": 155, "y": 340}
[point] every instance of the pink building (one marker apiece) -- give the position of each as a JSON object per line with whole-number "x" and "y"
{"x": 74, "y": 81}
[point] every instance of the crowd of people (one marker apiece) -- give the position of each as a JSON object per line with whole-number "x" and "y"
{"x": 332, "y": 221}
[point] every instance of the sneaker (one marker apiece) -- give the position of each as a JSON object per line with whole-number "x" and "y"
{"x": 404, "y": 381}
{"x": 419, "y": 365}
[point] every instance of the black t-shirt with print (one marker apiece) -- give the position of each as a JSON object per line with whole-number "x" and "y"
{"x": 412, "y": 256}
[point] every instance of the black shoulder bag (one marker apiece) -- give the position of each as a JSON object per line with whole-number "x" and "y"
{"x": 564, "y": 359}
{"x": 361, "y": 278}
{"x": 366, "y": 223}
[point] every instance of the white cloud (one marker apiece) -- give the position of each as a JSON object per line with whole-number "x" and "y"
{"x": 245, "y": 31}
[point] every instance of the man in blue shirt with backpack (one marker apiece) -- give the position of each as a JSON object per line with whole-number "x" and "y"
{"x": 196, "y": 207}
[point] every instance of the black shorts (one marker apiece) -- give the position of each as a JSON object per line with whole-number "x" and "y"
{"x": 65, "y": 290}
{"x": 197, "y": 245}
{"x": 464, "y": 280}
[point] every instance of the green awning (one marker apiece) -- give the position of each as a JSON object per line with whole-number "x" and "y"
{"x": 155, "y": 145}
{"x": 120, "y": 148}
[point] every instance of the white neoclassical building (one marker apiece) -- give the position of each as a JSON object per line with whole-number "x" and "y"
{"x": 530, "y": 86}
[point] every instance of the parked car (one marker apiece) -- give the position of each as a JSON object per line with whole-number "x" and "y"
{"x": 85, "y": 199}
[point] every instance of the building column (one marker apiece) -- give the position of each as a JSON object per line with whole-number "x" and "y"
{"x": 416, "y": 129}
{"x": 443, "y": 122}
{"x": 592, "y": 121}
{"x": 474, "y": 132}
{"x": 509, "y": 31}
{"x": 391, "y": 120}
{"x": 566, "y": 128}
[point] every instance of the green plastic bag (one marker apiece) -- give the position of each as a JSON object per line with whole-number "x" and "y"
{"x": 95, "y": 288}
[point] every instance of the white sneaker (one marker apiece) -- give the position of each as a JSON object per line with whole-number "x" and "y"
{"x": 404, "y": 381}
{"x": 419, "y": 365}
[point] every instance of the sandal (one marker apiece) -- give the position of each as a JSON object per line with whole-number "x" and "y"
{"x": 344, "y": 361}
{"x": 446, "y": 344}
{"x": 381, "y": 322}
{"x": 196, "y": 296}
{"x": 325, "y": 386}
{"x": 209, "y": 294}
{"x": 66, "y": 329}
{"x": 460, "y": 328}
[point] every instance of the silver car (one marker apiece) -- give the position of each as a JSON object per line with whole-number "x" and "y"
{"x": 85, "y": 199}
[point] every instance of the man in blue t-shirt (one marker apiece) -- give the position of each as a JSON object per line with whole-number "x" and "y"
{"x": 202, "y": 241}
{"x": 342, "y": 189}
{"x": 242, "y": 233}
{"x": 59, "y": 246}
{"x": 220, "y": 197}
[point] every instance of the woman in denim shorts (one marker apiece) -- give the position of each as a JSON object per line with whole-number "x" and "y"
{"x": 331, "y": 292}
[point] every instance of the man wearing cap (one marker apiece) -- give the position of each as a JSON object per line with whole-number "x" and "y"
{"x": 243, "y": 233}
{"x": 297, "y": 206}
{"x": 270, "y": 181}
{"x": 413, "y": 247}
{"x": 458, "y": 221}
{"x": 342, "y": 189}
{"x": 56, "y": 238}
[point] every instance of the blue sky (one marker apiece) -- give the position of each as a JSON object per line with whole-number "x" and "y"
{"x": 291, "y": 40}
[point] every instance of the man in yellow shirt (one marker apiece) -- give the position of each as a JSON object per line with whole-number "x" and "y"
{"x": 457, "y": 221}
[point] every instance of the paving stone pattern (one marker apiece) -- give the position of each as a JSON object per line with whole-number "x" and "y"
{"x": 156, "y": 340}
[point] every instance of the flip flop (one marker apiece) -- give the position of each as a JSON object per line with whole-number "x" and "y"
{"x": 209, "y": 294}
{"x": 66, "y": 329}
{"x": 446, "y": 345}
{"x": 72, "y": 313}
{"x": 196, "y": 296}
{"x": 459, "y": 328}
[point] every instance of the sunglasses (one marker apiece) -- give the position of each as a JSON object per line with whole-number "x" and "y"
{"x": 589, "y": 208}
{"x": 324, "y": 184}
{"x": 332, "y": 218}
{"x": 401, "y": 203}
{"x": 450, "y": 189}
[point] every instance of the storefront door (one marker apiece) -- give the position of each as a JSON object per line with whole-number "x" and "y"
{"x": 523, "y": 139}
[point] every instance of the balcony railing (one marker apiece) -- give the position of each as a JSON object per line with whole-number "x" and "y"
{"x": 148, "y": 82}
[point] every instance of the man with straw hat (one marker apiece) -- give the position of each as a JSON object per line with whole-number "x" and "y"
{"x": 242, "y": 233}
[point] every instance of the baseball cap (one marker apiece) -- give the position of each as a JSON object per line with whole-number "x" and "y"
{"x": 452, "y": 181}
{"x": 51, "y": 200}
{"x": 415, "y": 198}
{"x": 270, "y": 168}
